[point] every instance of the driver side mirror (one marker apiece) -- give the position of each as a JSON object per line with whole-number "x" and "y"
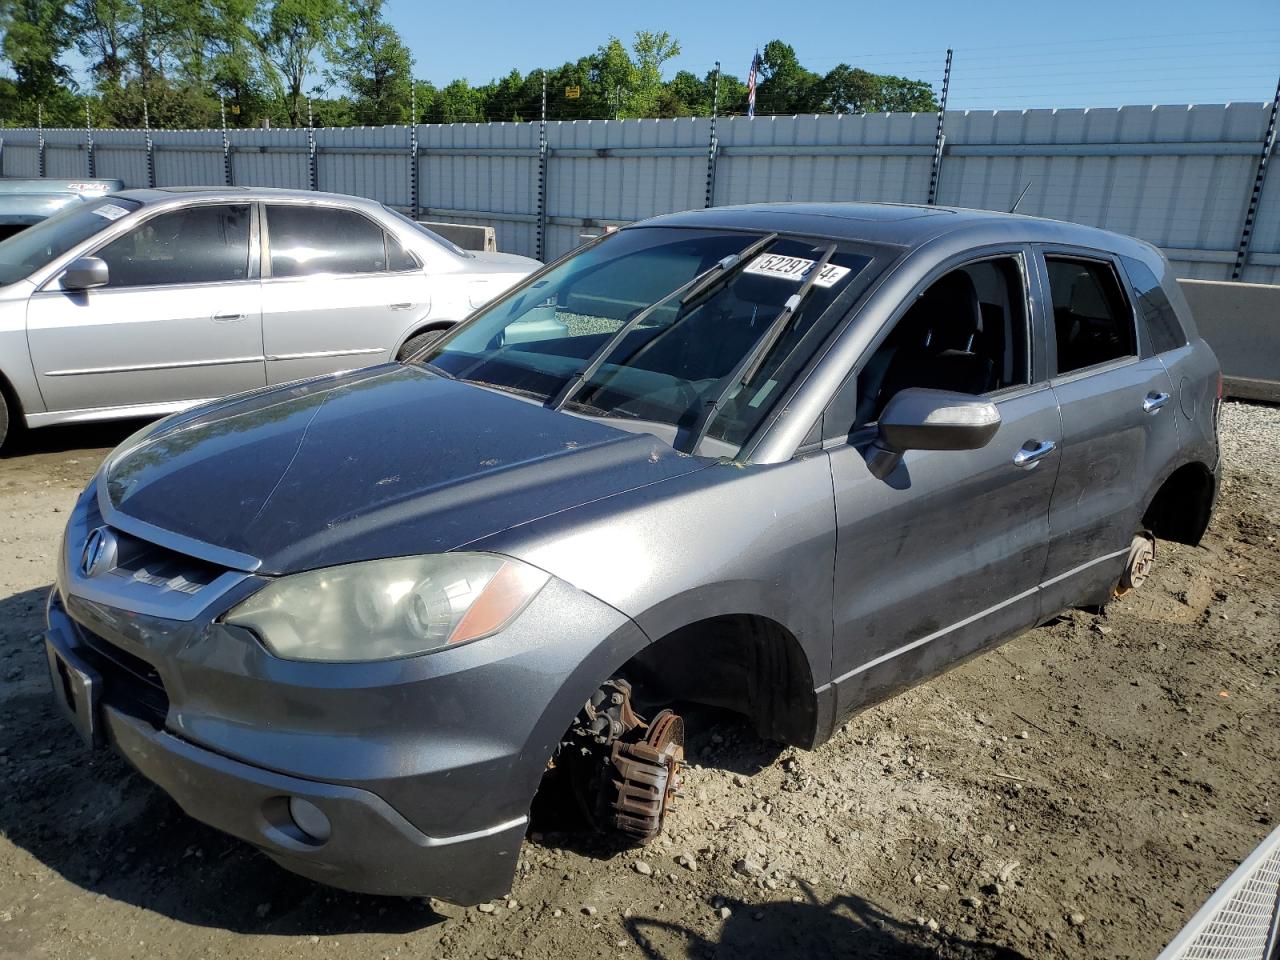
{"x": 84, "y": 273}
{"x": 922, "y": 419}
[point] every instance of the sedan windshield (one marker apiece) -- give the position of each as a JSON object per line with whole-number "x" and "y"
{"x": 688, "y": 334}
{"x": 26, "y": 252}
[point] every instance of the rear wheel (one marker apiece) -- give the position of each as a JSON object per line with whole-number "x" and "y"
{"x": 417, "y": 342}
{"x": 4, "y": 419}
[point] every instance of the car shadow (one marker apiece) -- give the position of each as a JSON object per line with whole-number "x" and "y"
{"x": 88, "y": 817}
{"x": 844, "y": 926}
{"x": 22, "y": 442}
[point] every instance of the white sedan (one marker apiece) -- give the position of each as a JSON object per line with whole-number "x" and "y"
{"x": 149, "y": 301}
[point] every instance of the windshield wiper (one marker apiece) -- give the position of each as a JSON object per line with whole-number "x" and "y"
{"x": 750, "y": 365}
{"x": 715, "y": 275}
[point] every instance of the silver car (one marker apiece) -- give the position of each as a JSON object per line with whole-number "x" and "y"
{"x": 784, "y": 460}
{"x": 149, "y": 301}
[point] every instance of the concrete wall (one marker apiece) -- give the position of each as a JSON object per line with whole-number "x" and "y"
{"x": 1241, "y": 321}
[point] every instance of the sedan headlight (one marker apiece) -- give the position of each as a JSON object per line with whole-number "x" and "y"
{"x": 384, "y": 609}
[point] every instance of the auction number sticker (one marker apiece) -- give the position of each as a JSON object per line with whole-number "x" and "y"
{"x": 794, "y": 268}
{"x": 110, "y": 211}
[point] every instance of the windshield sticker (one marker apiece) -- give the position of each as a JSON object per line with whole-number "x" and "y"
{"x": 794, "y": 268}
{"x": 110, "y": 211}
{"x": 87, "y": 187}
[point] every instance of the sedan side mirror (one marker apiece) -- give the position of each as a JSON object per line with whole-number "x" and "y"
{"x": 84, "y": 273}
{"x": 921, "y": 419}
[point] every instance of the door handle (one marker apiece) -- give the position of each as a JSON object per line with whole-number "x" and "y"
{"x": 1154, "y": 401}
{"x": 227, "y": 317}
{"x": 401, "y": 306}
{"x": 1031, "y": 452}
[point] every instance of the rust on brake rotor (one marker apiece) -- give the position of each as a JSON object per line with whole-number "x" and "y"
{"x": 648, "y": 777}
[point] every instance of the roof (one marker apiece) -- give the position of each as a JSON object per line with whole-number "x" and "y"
{"x": 239, "y": 194}
{"x": 901, "y": 224}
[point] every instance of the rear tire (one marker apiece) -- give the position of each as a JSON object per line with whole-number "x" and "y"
{"x": 4, "y": 419}
{"x": 417, "y": 342}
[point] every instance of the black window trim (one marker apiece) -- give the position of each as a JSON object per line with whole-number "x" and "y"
{"x": 146, "y": 216}
{"x": 1146, "y": 348}
{"x": 265, "y": 228}
{"x": 1037, "y": 369}
{"x": 1094, "y": 255}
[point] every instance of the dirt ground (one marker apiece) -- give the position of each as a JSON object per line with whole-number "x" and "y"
{"x": 1077, "y": 792}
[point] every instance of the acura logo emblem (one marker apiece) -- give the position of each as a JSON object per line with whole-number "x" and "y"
{"x": 99, "y": 552}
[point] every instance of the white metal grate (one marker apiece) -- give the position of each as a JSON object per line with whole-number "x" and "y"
{"x": 1239, "y": 922}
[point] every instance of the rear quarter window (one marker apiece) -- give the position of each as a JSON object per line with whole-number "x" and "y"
{"x": 1164, "y": 330}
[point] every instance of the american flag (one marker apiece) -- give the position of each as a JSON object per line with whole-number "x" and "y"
{"x": 751, "y": 84}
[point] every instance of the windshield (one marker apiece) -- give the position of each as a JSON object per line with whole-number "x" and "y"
{"x": 664, "y": 327}
{"x": 447, "y": 244}
{"x": 28, "y": 251}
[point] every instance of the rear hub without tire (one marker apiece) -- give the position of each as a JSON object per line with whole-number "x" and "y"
{"x": 1137, "y": 567}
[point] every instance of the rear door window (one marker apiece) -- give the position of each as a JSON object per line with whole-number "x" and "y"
{"x": 1164, "y": 331}
{"x": 310, "y": 240}
{"x": 1093, "y": 322}
{"x": 202, "y": 244}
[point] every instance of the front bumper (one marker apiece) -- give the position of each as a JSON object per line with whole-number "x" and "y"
{"x": 391, "y": 790}
{"x": 371, "y": 849}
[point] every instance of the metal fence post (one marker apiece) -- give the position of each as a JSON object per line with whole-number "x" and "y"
{"x": 713, "y": 147}
{"x": 227, "y": 176}
{"x": 313, "y": 168}
{"x": 542, "y": 175}
{"x": 938, "y": 139}
{"x": 40, "y": 154}
{"x": 1259, "y": 182}
{"x": 414, "y": 204}
{"x": 150, "y": 145}
{"x": 88, "y": 134}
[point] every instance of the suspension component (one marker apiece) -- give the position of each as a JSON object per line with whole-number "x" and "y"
{"x": 624, "y": 770}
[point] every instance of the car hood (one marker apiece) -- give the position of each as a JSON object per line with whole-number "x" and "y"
{"x": 387, "y": 461}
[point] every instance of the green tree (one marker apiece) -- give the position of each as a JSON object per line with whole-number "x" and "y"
{"x": 375, "y": 65}
{"x": 294, "y": 33}
{"x": 786, "y": 86}
{"x": 101, "y": 28}
{"x": 651, "y": 51}
{"x": 36, "y": 33}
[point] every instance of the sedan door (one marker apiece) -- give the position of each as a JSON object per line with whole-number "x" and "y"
{"x": 945, "y": 554}
{"x": 1119, "y": 426}
{"x": 178, "y": 320}
{"x": 338, "y": 291}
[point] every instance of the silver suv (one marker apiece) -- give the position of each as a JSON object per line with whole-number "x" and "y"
{"x": 786, "y": 460}
{"x": 149, "y": 301}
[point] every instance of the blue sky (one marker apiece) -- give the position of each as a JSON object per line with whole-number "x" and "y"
{"x": 1008, "y": 54}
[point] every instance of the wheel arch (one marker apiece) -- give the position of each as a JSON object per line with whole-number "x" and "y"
{"x": 1182, "y": 505}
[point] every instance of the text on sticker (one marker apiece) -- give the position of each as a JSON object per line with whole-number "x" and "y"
{"x": 794, "y": 268}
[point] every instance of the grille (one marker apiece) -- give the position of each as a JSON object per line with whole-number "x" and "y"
{"x": 1239, "y": 922}
{"x": 129, "y": 683}
{"x": 140, "y": 561}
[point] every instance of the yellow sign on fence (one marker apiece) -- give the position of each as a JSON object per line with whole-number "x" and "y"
{"x": 572, "y": 93}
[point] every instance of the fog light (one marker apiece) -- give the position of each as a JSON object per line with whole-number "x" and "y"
{"x": 309, "y": 818}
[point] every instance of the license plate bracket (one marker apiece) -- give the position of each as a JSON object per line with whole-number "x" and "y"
{"x": 77, "y": 688}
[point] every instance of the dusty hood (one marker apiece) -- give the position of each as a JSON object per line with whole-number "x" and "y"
{"x": 387, "y": 461}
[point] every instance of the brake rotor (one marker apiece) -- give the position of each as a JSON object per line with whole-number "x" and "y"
{"x": 624, "y": 771}
{"x": 648, "y": 777}
{"x": 1137, "y": 567}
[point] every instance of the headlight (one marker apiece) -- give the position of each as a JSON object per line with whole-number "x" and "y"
{"x": 383, "y": 609}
